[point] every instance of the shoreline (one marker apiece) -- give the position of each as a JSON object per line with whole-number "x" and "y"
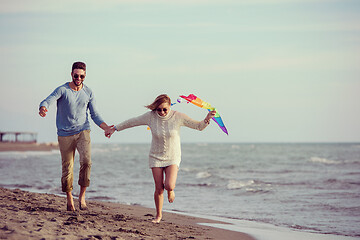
{"x": 266, "y": 231}
{"x": 28, "y": 215}
{"x": 23, "y": 147}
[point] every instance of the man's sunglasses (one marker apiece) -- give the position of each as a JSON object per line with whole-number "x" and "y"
{"x": 77, "y": 76}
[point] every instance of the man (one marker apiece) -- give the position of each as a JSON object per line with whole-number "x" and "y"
{"x": 74, "y": 99}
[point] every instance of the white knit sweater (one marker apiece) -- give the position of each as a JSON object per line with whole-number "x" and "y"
{"x": 165, "y": 145}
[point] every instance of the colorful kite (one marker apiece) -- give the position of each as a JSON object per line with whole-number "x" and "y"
{"x": 200, "y": 103}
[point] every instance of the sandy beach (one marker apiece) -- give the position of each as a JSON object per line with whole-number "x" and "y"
{"x": 27, "y": 215}
{"x": 22, "y": 147}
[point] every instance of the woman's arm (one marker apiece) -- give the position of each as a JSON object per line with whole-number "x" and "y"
{"x": 198, "y": 125}
{"x": 132, "y": 122}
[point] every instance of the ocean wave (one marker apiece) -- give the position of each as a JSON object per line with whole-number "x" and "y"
{"x": 197, "y": 185}
{"x": 243, "y": 147}
{"x": 44, "y": 187}
{"x": 267, "y": 171}
{"x": 333, "y": 162}
{"x": 199, "y": 172}
{"x": 323, "y": 160}
{"x": 107, "y": 150}
{"x": 186, "y": 169}
{"x": 233, "y": 184}
{"x": 203, "y": 175}
{"x": 251, "y": 186}
{"x": 102, "y": 198}
{"x": 354, "y": 161}
{"x": 304, "y": 228}
{"x": 339, "y": 184}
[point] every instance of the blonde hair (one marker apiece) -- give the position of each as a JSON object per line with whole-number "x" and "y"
{"x": 163, "y": 98}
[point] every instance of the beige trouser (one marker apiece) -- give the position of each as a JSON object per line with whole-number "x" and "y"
{"x": 68, "y": 145}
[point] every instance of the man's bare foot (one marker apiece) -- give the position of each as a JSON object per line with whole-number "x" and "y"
{"x": 70, "y": 208}
{"x": 82, "y": 205}
{"x": 70, "y": 203}
{"x": 157, "y": 219}
{"x": 171, "y": 196}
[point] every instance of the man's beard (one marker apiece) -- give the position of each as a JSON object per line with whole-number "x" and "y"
{"x": 78, "y": 85}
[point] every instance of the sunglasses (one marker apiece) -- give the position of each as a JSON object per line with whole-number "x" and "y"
{"x": 161, "y": 109}
{"x": 77, "y": 76}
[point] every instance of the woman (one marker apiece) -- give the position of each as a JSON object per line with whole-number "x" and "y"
{"x": 165, "y": 152}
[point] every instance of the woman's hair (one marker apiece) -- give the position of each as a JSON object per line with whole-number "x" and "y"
{"x": 163, "y": 98}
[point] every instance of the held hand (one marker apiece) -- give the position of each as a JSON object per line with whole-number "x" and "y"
{"x": 42, "y": 111}
{"x": 210, "y": 115}
{"x": 109, "y": 131}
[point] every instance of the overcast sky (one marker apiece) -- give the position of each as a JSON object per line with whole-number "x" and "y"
{"x": 276, "y": 70}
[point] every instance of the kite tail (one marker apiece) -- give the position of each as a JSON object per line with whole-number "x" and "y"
{"x": 219, "y": 121}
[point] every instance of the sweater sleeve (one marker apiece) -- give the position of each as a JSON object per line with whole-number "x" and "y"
{"x": 53, "y": 97}
{"x": 191, "y": 123}
{"x": 133, "y": 122}
{"x": 95, "y": 116}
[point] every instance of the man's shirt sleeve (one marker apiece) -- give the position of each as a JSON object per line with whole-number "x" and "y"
{"x": 95, "y": 116}
{"x": 55, "y": 95}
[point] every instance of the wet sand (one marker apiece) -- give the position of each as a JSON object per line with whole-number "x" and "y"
{"x": 27, "y": 215}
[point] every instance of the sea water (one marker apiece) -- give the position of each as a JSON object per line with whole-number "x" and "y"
{"x": 312, "y": 187}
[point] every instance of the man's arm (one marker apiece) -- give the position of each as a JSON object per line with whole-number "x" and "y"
{"x": 104, "y": 126}
{"x": 55, "y": 95}
{"x": 98, "y": 120}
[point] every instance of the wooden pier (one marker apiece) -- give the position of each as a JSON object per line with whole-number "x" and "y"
{"x": 18, "y": 137}
{"x": 23, "y": 141}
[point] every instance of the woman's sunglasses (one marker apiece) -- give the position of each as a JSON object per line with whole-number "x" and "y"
{"x": 162, "y": 109}
{"x": 77, "y": 76}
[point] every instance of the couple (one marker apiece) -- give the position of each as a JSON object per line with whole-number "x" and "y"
{"x": 74, "y": 99}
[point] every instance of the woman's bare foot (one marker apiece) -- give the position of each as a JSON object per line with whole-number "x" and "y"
{"x": 171, "y": 196}
{"x": 157, "y": 219}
